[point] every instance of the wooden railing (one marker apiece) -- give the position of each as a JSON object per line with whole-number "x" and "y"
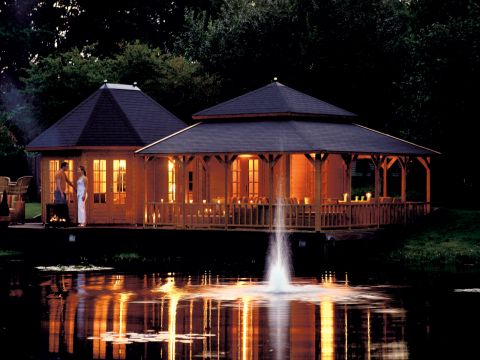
{"x": 298, "y": 216}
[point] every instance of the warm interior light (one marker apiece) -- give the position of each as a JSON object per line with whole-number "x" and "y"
{"x": 245, "y": 156}
{"x": 369, "y": 196}
{"x": 345, "y": 196}
{"x": 204, "y": 201}
{"x": 171, "y": 181}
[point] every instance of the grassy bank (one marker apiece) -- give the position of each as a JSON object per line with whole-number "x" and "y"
{"x": 32, "y": 210}
{"x": 448, "y": 237}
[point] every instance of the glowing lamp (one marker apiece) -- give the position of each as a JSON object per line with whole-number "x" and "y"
{"x": 369, "y": 196}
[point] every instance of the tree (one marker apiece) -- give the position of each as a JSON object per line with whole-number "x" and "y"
{"x": 58, "y": 83}
{"x": 342, "y": 51}
{"x": 439, "y": 100}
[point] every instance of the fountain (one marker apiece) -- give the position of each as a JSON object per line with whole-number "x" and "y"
{"x": 279, "y": 266}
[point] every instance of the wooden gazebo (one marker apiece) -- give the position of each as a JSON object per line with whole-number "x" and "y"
{"x": 277, "y": 147}
{"x": 102, "y": 134}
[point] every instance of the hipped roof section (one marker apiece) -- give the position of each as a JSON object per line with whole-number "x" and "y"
{"x": 114, "y": 115}
{"x": 274, "y": 99}
{"x": 289, "y": 136}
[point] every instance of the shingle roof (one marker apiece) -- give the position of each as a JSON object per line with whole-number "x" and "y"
{"x": 282, "y": 136}
{"x": 271, "y": 100}
{"x": 114, "y": 115}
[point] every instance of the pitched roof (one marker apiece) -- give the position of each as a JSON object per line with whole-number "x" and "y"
{"x": 114, "y": 115}
{"x": 275, "y": 99}
{"x": 301, "y": 136}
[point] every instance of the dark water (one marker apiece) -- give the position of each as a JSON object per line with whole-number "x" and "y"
{"x": 332, "y": 315}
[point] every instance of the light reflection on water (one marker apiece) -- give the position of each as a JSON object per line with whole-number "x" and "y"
{"x": 173, "y": 317}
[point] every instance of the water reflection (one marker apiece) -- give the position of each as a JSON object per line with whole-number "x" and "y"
{"x": 107, "y": 316}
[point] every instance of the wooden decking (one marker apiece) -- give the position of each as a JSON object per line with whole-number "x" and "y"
{"x": 296, "y": 217}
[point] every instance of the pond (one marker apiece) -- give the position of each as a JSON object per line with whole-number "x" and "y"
{"x": 332, "y": 314}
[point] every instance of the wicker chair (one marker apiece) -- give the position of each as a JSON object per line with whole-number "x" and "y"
{"x": 21, "y": 186}
{"x": 16, "y": 192}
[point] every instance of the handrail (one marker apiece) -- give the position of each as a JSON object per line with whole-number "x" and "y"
{"x": 296, "y": 216}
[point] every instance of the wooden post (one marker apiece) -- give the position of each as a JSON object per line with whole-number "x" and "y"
{"x": 317, "y": 163}
{"x": 145, "y": 196}
{"x": 385, "y": 175}
{"x": 428, "y": 190}
{"x": 227, "y": 171}
{"x": 377, "y": 162}
{"x": 426, "y": 164}
{"x": 287, "y": 176}
{"x": 318, "y": 191}
{"x": 270, "y": 160}
{"x": 204, "y": 161}
{"x": 270, "y": 191}
{"x": 403, "y": 164}
{"x": 226, "y": 161}
{"x": 348, "y": 159}
{"x": 181, "y": 189}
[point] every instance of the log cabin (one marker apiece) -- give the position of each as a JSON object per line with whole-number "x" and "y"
{"x": 277, "y": 149}
{"x": 102, "y": 134}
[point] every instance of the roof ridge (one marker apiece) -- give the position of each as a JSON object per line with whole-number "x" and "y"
{"x": 233, "y": 99}
{"x": 283, "y": 97}
{"x": 396, "y": 138}
{"x": 163, "y": 107}
{"x": 167, "y": 137}
{"x": 293, "y": 123}
{"x": 125, "y": 117}
{"x": 318, "y": 100}
{"x": 107, "y": 92}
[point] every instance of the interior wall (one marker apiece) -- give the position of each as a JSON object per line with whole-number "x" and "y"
{"x": 301, "y": 179}
{"x": 334, "y": 175}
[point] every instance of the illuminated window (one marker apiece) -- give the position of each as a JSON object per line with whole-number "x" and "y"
{"x": 99, "y": 181}
{"x": 236, "y": 178}
{"x": 69, "y": 174}
{"x": 119, "y": 181}
{"x": 53, "y": 167}
{"x": 171, "y": 180}
{"x": 253, "y": 177}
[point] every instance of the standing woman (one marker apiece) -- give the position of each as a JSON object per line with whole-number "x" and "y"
{"x": 82, "y": 185}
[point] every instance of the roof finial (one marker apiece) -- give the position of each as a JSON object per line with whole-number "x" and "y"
{"x": 134, "y": 84}
{"x": 105, "y": 81}
{"x": 275, "y": 78}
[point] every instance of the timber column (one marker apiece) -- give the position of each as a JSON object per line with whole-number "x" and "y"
{"x": 318, "y": 163}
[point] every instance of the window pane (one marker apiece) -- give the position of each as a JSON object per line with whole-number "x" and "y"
{"x": 99, "y": 181}
{"x": 119, "y": 181}
{"x": 236, "y": 178}
{"x": 53, "y": 167}
{"x": 253, "y": 177}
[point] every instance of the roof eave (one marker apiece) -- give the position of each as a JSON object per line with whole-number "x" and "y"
{"x": 272, "y": 114}
{"x": 307, "y": 151}
{"x": 65, "y": 148}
